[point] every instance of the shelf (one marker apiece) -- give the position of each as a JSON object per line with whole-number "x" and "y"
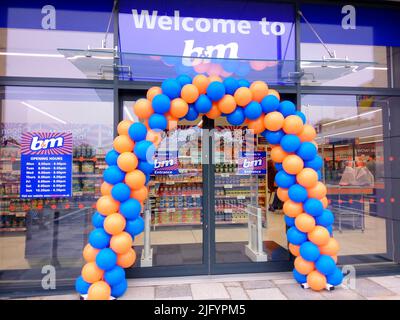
{"x": 17, "y": 229}
{"x": 172, "y": 210}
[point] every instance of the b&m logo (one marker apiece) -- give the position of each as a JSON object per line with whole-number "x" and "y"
{"x": 166, "y": 162}
{"x": 46, "y": 143}
{"x": 252, "y": 163}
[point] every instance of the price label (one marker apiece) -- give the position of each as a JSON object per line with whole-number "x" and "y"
{"x": 228, "y": 186}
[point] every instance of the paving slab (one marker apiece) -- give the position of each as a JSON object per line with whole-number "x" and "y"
{"x": 388, "y": 282}
{"x": 237, "y": 293}
{"x": 210, "y": 290}
{"x": 139, "y": 293}
{"x": 177, "y": 291}
{"x": 257, "y": 284}
{"x": 295, "y": 292}
{"x": 266, "y": 294}
{"x": 341, "y": 294}
{"x": 369, "y": 288}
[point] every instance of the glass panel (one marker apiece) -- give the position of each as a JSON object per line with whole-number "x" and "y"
{"x": 175, "y": 233}
{"x": 51, "y": 231}
{"x": 350, "y": 137}
{"x": 245, "y": 229}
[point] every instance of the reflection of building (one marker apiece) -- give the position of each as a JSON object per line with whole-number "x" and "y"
{"x": 50, "y": 81}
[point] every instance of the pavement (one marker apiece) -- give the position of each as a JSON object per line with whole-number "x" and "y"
{"x": 259, "y": 286}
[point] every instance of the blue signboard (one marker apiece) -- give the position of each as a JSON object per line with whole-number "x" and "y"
{"x": 46, "y": 165}
{"x": 351, "y": 24}
{"x": 166, "y": 163}
{"x": 213, "y": 29}
{"x": 253, "y": 162}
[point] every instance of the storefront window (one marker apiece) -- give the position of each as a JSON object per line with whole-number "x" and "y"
{"x": 53, "y": 230}
{"x": 351, "y": 141}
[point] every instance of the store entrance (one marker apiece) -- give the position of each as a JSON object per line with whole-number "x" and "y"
{"x": 208, "y": 213}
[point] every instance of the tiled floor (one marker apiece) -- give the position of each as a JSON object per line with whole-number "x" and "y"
{"x": 267, "y": 286}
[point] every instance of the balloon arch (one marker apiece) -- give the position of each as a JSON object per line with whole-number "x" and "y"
{"x": 293, "y": 149}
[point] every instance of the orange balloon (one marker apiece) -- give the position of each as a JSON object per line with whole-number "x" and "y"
{"x": 307, "y": 177}
{"x": 99, "y": 290}
{"x": 135, "y": 179}
{"x": 201, "y": 82}
{"x": 123, "y": 144}
{"x": 316, "y": 280}
{"x": 274, "y": 93}
{"x": 143, "y": 109}
{"x": 90, "y": 253}
{"x": 127, "y": 259}
{"x": 189, "y": 93}
{"x": 179, "y": 108}
{"x": 107, "y": 205}
{"x": 331, "y": 248}
{"x": 292, "y": 209}
{"x": 243, "y": 96}
{"x": 318, "y": 191}
{"x": 308, "y": 133}
{"x": 278, "y": 154}
{"x": 152, "y": 92}
{"x": 293, "y": 164}
{"x": 105, "y": 188}
{"x": 257, "y": 125}
{"x": 121, "y": 242}
{"x": 273, "y": 121}
{"x": 305, "y": 222}
{"x": 123, "y": 127}
{"x": 214, "y": 112}
{"x": 283, "y": 194}
{"x": 292, "y": 124}
{"x": 154, "y": 137}
{"x": 215, "y": 78}
{"x": 140, "y": 194}
{"x": 319, "y": 236}
{"x": 227, "y": 104}
{"x": 172, "y": 122}
{"x": 303, "y": 266}
{"x": 91, "y": 272}
{"x": 127, "y": 161}
{"x": 325, "y": 202}
{"x": 294, "y": 249}
{"x": 259, "y": 90}
{"x": 114, "y": 223}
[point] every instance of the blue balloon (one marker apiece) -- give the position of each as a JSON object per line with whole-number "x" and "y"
{"x": 146, "y": 167}
{"x": 114, "y": 276}
{"x": 99, "y": 238}
{"x": 309, "y": 251}
{"x": 243, "y": 83}
{"x": 270, "y": 103}
{"x": 307, "y": 151}
{"x": 274, "y": 137}
{"x": 330, "y": 230}
{"x": 144, "y": 150}
{"x": 113, "y": 175}
{"x": 316, "y": 163}
{"x": 289, "y": 221}
{"x": 335, "y": 278}
{"x": 243, "y": 69}
{"x": 98, "y": 220}
{"x": 106, "y": 259}
{"x": 171, "y": 88}
{"x": 231, "y": 84}
{"x": 135, "y": 227}
{"x": 203, "y": 104}
{"x": 119, "y": 289}
{"x": 158, "y": 122}
{"x": 192, "y": 114}
{"x": 215, "y": 90}
{"x": 236, "y": 118}
{"x": 184, "y": 79}
{"x": 111, "y": 157}
{"x": 325, "y": 264}
{"x": 302, "y": 116}
{"x": 81, "y": 285}
{"x": 313, "y": 206}
{"x": 130, "y": 209}
{"x": 253, "y": 110}
{"x": 319, "y": 175}
{"x": 325, "y": 219}
{"x": 298, "y": 193}
{"x": 300, "y": 278}
{"x": 278, "y": 166}
{"x": 287, "y": 108}
{"x": 290, "y": 143}
{"x": 284, "y": 180}
{"x": 161, "y": 103}
{"x": 137, "y": 131}
{"x": 121, "y": 192}
{"x": 148, "y": 177}
{"x": 295, "y": 236}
